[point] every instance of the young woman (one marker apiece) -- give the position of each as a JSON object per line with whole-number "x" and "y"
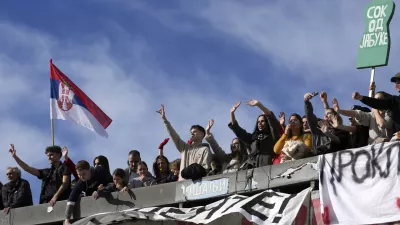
{"x": 103, "y": 162}
{"x": 262, "y": 140}
{"x": 230, "y": 162}
{"x": 293, "y": 131}
{"x": 162, "y": 171}
{"x": 118, "y": 183}
{"x": 144, "y": 177}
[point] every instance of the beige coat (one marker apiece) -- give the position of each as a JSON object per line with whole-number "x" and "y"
{"x": 190, "y": 154}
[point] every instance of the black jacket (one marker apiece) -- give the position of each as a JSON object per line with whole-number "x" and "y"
{"x": 390, "y": 103}
{"x": 17, "y": 195}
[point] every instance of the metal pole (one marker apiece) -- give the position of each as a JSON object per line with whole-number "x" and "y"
{"x": 52, "y": 131}
{"x": 372, "y": 92}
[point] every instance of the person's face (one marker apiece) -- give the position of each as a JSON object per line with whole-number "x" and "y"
{"x": 328, "y": 115}
{"x": 84, "y": 175}
{"x": 97, "y": 163}
{"x": 196, "y": 135}
{"x": 261, "y": 123}
{"x": 117, "y": 180}
{"x": 397, "y": 85}
{"x": 132, "y": 160}
{"x": 305, "y": 124}
{"x": 142, "y": 170}
{"x": 53, "y": 157}
{"x": 379, "y": 96}
{"x": 235, "y": 145}
{"x": 213, "y": 165}
{"x": 294, "y": 122}
{"x": 162, "y": 165}
{"x": 11, "y": 176}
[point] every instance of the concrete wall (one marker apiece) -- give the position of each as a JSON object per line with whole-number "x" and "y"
{"x": 165, "y": 194}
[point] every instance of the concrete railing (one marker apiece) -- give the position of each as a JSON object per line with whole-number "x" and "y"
{"x": 172, "y": 194}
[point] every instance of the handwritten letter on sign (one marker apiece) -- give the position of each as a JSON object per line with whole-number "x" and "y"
{"x": 374, "y": 47}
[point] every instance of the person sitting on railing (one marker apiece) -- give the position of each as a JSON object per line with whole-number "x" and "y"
{"x": 144, "y": 176}
{"x": 17, "y": 192}
{"x": 196, "y": 152}
{"x": 118, "y": 184}
{"x": 89, "y": 180}
{"x": 55, "y": 180}
{"x": 293, "y": 132}
{"x": 266, "y": 133}
{"x": 161, "y": 166}
{"x": 230, "y": 162}
{"x": 378, "y": 121}
{"x": 391, "y": 103}
{"x": 175, "y": 167}
{"x": 325, "y": 138}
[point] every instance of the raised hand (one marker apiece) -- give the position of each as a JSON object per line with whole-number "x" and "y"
{"x": 12, "y": 150}
{"x": 162, "y": 144}
{"x": 252, "y": 102}
{"x": 307, "y": 97}
{"x": 65, "y": 153}
{"x": 209, "y": 126}
{"x": 95, "y": 195}
{"x": 162, "y": 112}
{"x": 282, "y": 118}
{"x": 372, "y": 86}
{"x": 237, "y": 104}
{"x": 100, "y": 187}
{"x": 335, "y": 104}
{"x": 323, "y": 96}
{"x": 357, "y": 96}
{"x": 324, "y": 125}
{"x": 287, "y": 128}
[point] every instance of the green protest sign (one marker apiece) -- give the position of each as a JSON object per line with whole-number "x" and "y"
{"x": 374, "y": 47}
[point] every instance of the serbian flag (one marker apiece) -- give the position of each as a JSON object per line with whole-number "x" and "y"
{"x": 68, "y": 102}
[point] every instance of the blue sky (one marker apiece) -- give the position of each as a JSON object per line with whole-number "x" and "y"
{"x": 196, "y": 57}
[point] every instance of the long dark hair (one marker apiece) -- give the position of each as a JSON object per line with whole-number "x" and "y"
{"x": 298, "y": 117}
{"x": 103, "y": 162}
{"x": 241, "y": 154}
{"x": 156, "y": 170}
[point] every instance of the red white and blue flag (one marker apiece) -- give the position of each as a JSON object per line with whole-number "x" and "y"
{"x": 68, "y": 102}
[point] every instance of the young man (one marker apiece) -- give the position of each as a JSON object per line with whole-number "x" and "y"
{"x": 389, "y": 103}
{"x": 89, "y": 181}
{"x": 55, "y": 180}
{"x": 197, "y": 152}
{"x": 17, "y": 192}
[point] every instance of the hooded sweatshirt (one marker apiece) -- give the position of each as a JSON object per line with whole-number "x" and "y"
{"x": 261, "y": 142}
{"x": 193, "y": 153}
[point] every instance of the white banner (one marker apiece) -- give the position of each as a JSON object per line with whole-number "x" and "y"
{"x": 265, "y": 208}
{"x": 361, "y": 186}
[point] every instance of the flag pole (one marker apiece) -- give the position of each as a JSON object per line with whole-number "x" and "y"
{"x": 52, "y": 131}
{"x": 372, "y": 92}
{"x": 52, "y": 120}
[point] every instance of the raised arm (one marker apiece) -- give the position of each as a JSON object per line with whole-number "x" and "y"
{"x": 382, "y": 104}
{"x": 22, "y": 164}
{"x": 221, "y": 155}
{"x": 233, "y": 110}
{"x": 324, "y": 99}
{"x": 161, "y": 146}
{"x": 69, "y": 163}
{"x": 179, "y": 143}
{"x": 336, "y": 107}
{"x": 379, "y": 119}
{"x": 259, "y": 105}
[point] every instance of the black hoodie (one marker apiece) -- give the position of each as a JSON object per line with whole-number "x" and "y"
{"x": 261, "y": 142}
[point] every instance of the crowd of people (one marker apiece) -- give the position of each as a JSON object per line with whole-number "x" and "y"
{"x": 271, "y": 142}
